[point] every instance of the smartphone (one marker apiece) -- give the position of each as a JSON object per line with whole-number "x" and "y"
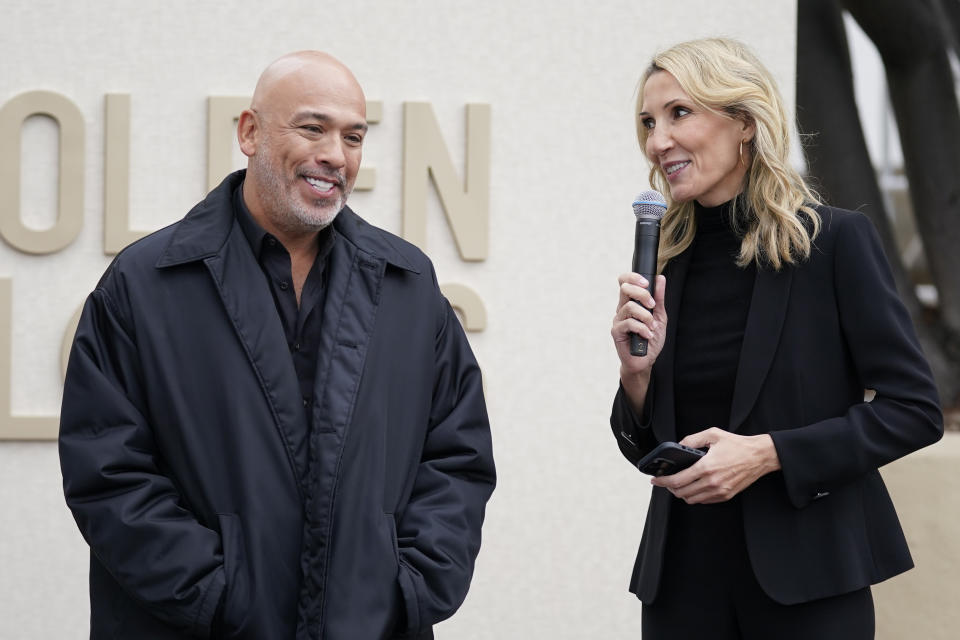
{"x": 668, "y": 458}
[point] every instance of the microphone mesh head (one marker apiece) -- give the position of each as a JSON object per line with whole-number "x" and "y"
{"x": 649, "y": 204}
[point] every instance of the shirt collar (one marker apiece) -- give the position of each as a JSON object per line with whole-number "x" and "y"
{"x": 257, "y": 236}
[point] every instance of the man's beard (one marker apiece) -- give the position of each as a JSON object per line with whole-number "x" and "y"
{"x": 284, "y": 208}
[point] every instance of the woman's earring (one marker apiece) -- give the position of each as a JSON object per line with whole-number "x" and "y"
{"x": 741, "y": 152}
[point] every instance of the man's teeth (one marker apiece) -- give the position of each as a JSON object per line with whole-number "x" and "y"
{"x": 676, "y": 167}
{"x": 322, "y": 185}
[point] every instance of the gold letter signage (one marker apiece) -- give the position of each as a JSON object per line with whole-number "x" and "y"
{"x": 466, "y": 202}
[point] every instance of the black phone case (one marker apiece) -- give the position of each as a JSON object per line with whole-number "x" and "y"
{"x": 668, "y": 458}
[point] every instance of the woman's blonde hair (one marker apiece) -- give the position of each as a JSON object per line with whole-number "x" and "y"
{"x": 775, "y": 210}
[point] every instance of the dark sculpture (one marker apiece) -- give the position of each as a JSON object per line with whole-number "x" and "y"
{"x": 913, "y": 38}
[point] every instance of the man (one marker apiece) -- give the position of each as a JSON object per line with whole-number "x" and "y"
{"x": 272, "y": 424}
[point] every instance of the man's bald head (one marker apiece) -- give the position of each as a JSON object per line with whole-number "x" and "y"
{"x": 300, "y": 69}
{"x": 303, "y": 136}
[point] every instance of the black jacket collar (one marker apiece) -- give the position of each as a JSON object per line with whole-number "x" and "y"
{"x": 205, "y": 229}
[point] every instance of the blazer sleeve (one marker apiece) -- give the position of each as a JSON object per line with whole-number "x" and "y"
{"x": 438, "y": 532}
{"x": 128, "y": 511}
{"x": 633, "y": 432}
{"x": 904, "y": 415}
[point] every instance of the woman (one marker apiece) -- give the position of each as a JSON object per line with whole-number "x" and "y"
{"x": 773, "y": 315}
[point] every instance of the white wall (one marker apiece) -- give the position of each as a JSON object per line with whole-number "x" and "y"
{"x": 564, "y": 523}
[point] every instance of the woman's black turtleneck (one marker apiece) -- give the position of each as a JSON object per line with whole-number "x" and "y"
{"x": 713, "y": 315}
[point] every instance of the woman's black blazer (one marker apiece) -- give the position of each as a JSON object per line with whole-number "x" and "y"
{"x": 817, "y": 336}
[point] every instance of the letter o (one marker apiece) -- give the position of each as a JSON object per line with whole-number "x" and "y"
{"x": 70, "y": 212}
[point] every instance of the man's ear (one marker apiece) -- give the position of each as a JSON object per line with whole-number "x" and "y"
{"x": 247, "y": 131}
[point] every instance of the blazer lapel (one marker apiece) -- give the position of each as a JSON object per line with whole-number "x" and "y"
{"x": 768, "y": 310}
{"x": 665, "y": 427}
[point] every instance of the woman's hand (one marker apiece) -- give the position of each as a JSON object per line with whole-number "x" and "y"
{"x": 732, "y": 464}
{"x": 641, "y": 313}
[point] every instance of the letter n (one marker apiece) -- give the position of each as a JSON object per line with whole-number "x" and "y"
{"x": 467, "y": 204}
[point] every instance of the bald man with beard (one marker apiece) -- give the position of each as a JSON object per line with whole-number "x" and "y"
{"x": 273, "y": 425}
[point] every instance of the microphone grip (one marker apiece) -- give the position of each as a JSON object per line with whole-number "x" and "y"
{"x": 638, "y": 345}
{"x": 646, "y": 244}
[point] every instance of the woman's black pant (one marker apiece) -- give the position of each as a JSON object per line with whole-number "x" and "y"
{"x": 708, "y": 589}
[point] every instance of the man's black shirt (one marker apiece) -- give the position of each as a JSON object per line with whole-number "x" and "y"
{"x": 300, "y": 324}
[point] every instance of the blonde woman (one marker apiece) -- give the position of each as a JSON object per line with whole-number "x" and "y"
{"x": 772, "y": 316}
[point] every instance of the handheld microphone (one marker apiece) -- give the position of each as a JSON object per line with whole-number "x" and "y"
{"x": 649, "y": 207}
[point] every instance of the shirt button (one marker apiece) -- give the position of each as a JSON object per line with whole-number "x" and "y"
{"x": 296, "y": 346}
{"x": 272, "y": 242}
{"x": 306, "y": 402}
{"x": 283, "y": 286}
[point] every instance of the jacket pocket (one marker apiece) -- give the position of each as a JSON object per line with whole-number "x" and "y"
{"x": 238, "y": 594}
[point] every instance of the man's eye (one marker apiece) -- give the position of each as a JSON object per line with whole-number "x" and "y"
{"x": 311, "y": 128}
